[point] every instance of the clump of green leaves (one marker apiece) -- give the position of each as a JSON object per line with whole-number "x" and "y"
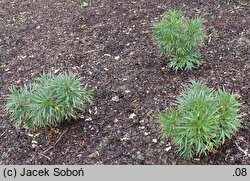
{"x": 203, "y": 119}
{"x": 84, "y": 5}
{"x": 178, "y": 37}
{"x": 49, "y": 100}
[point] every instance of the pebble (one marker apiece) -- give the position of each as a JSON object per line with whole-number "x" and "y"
{"x": 31, "y": 135}
{"x": 154, "y": 140}
{"x": 131, "y": 116}
{"x": 34, "y": 142}
{"x": 107, "y": 55}
{"x": 88, "y": 119}
{"x": 117, "y": 57}
{"x": 125, "y": 138}
{"x": 94, "y": 155}
{"x": 115, "y": 99}
{"x": 127, "y": 91}
{"x": 168, "y": 148}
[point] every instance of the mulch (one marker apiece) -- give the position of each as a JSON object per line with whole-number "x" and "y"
{"x": 110, "y": 45}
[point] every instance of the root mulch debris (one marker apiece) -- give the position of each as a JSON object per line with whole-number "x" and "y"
{"x": 109, "y": 44}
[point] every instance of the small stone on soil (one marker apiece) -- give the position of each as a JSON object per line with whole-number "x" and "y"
{"x": 80, "y": 155}
{"x": 107, "y": 55}
{"x": 117, "y": 57}
{"x": 127, "y": 91}
{"x": 131, "y": 116}
{"x": 168, "y": 148}
{"x": 34, "y": 142}
{"x": 94, "y": 155}
{"x": 88, "y": 119}
{"x": 115, "y": 99}
{"x": 31, "y": 135}
{"x": 154, "y": 140}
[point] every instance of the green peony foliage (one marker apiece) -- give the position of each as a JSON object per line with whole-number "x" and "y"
{"x": 178, "y": 37}
{"x": 49, "y": 100}
{"x": 203, "y": 119}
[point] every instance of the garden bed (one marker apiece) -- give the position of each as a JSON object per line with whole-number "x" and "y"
{"x": 110, "y": 45}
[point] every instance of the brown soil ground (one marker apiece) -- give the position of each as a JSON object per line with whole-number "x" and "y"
{"x": 110, "y": 45}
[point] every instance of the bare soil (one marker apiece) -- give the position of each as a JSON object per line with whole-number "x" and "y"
{"x": 110, "y": 45}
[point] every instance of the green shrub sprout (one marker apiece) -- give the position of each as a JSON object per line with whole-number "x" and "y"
{"x": 203, "y": 119}
{"x": 178, "y": 37}
{"x": 47, "y": 101}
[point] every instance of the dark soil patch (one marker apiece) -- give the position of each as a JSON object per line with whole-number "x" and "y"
{"x": 110, "y": 45}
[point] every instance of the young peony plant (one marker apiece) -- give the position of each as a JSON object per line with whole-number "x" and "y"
{"x": 49, "y": 100}
{"x": 203, "y": 119}
{"x": 178, "y": 37}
